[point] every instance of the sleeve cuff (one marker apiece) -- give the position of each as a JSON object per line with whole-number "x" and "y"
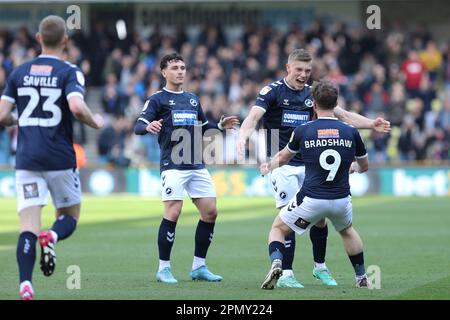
{"x": 292, "y": 151}
{"x": 362, "y": 157}
{"x": 8, "y": 98}
{"x": 144, "y": 120}
{"x": 75, "y": 94}
{"x": 260, "y": 108}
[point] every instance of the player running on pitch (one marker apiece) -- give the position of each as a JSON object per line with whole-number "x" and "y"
{"x": 46, "y": 92}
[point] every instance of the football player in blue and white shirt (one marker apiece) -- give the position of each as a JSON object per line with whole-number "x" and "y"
{"x": 328, "y": 148}
{"x": 178, "y": 118}
{"x": 46, "y": 92}
{"x": 282, "y": 106}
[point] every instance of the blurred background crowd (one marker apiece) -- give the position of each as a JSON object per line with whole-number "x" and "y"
{"x": 403, "y": 76}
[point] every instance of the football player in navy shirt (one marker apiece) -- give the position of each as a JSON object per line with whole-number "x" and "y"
{"x": 328, "y": 148}
{"x": 282, "y": 106}
{"x": 178, "y": 118}
{"x": 47, "y": 91}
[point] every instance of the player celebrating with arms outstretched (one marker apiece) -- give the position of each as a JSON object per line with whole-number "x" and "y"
{"x": 46, "y": 91}
{"x": 328, "y": 147}
{"x": 283, "y": 105}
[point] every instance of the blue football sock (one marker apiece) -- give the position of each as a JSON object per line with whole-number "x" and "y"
{"x": 289, "y": 250}
{"x": 203, "y": 237}
{"x": 26, "y": 255}
{"x": 358, "y": 263}
{"x": 318, "y": 238}
{"x": 276, "y": 249}
{"x": 64, "y": 226}
{"x": 166, "y": 237}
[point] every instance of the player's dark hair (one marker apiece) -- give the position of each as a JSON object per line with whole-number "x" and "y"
{"x": 169, "y": 58}
{"x": 52, "y": 30}
{"x": 325, "y": 94}
{"x": 300, "y": 55}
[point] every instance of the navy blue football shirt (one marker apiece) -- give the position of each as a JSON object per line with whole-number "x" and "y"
{"x": 328, "y": 147}
{"x": 40, "y": 89}
{"x": 180, "y": 139}
{"x": 285, "y": 109}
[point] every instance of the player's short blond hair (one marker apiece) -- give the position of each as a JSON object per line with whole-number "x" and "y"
{"x": 52, "y": 30}
{"x": 300, "y": 55}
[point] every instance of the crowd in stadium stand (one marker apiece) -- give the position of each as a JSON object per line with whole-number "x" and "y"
{"x": 402, "y": 76}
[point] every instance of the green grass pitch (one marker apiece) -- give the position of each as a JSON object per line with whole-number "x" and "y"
{"x": 116, "y": 251}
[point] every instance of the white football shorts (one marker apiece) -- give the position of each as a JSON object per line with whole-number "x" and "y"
{"x": 32, "y": 188}
{"x": 301, "y": 216}
{"x": 196, "y": 183}
{"x": 286, "y": 181}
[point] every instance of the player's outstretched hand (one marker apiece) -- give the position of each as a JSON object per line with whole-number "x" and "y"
{"x": 229, "y": 122}
{"x": 264, "y": 169}
{"x": 155, "y": 126}
{"x": 381, "y": 125}
{"x": 98, "y": 119}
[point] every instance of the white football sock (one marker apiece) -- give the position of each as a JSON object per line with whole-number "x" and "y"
{"x": 164, "y": 264}
{"x": 198, "y": 262}
{"x": 287, "y": 273}
{"x": 320, "y": 266}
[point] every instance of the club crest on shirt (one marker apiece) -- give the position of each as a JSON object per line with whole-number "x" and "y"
{"x": 308, "y": 103}
{"x": 193, "y": 102}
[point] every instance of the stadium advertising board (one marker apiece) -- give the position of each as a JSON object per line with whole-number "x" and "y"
{"x": 103, "y": 181}
{"x": 415, "y": 181}
{"x": 237, "y": 182}
{"x": 248, "y": 182}
{"x": 228, "y": 182}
